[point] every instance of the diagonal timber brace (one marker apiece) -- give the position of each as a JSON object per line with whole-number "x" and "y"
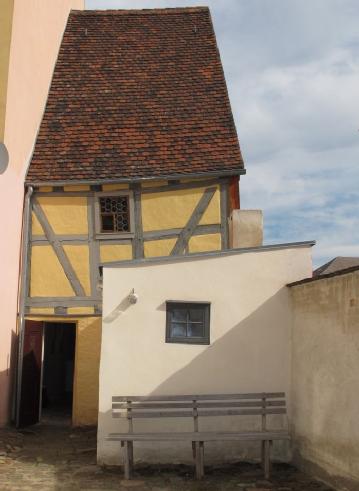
{"x": 59, "y": 250}
{"x": 192, "y": 223}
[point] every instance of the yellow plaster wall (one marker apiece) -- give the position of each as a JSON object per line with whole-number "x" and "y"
{"x": 66, "y": 214}
{"x": 77, "y": 187}
{"x": 151, "y": 184}
{"x": 173, "y": 209}
{"x": 79, "y": 259}
{"x": 42, "y": 310}
{"x": 202, "y": 243}
{"x": 114, "y": 187}
{"x": 47, "y": 276}
{"x": 45, "y": 189}
{"x": 157, "y": 248}
{"x": 36, "y": 227}
{"x": 86, "y": 387}
{"x": 80, "y": 310}
{"x": 116, "y": 252}
{"x": 7, "y": 7}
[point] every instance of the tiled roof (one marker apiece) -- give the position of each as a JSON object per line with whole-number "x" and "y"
{"x": 136, "y": 94}
{"x": 337, "y": 264}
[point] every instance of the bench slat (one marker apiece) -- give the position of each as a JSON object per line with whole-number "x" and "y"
{"x": 189, "y": 414}
{"x": 201, "y": 436}
{"x": 185, "y": 405}
{"x": 201, "y": 397}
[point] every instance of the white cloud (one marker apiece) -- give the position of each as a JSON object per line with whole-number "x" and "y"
{"x": 292, "y": 70}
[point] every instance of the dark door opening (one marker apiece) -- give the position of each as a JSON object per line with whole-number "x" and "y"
{"x": 29, "y": 406}
{"x": 58, "y": 371}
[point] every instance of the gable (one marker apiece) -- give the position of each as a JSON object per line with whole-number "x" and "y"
{"x": 135, "y": 95}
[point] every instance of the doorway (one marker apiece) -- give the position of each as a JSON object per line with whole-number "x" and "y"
{"x": 47, "y": 373}
{"x": 58, "y": 372}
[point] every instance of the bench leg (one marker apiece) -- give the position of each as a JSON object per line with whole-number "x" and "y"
{"x": 266, "y": 459}
{"x": 127, "y": 459}
{"x": 199, "y": 458}
{"x": 131, "y": 453}
{"x": 262, "y": 454}
{"x": 201, "y": 451}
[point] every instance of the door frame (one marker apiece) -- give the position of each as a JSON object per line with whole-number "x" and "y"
{"x": 45, "y": 320}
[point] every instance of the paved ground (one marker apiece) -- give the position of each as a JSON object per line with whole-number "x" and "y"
{"x": 58, "y": 458}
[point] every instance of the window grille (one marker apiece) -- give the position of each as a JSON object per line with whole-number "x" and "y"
{"x": 114, "y": 214}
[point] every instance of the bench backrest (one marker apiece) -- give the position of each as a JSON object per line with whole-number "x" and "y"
{"x": 195, "y": 406}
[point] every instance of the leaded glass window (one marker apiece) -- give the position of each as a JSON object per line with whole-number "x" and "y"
{"x": 114, "y": 214}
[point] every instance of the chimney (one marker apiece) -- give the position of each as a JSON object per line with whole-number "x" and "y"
{"x": 245, "y": 228}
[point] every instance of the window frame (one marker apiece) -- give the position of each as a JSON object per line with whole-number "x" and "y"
{"x": 114, "y": 235}
{"x": 203, "y": 340}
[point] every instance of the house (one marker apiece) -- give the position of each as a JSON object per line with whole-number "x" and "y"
{"x": 336, "y": 264}
{"x": 26, "y": 66}
{"x": 140, "y": 272}
{"x": 135, "y": 173}
{"x": 137, "y": 157}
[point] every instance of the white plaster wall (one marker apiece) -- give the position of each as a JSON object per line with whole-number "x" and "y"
{"x": 326, "y": 377}
{"x": 250, "y": 340}
{"x": 246, "y": 228}
{"x": 37, "y": 31}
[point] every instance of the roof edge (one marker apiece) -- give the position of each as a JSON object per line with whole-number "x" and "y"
{"x": 155, "y": 11}
{"x": 169, "y": 177}
{"x": 205, "y": 255}
{"x": 340, "y": 272}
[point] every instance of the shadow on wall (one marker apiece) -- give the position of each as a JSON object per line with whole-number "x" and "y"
{"x": 253, "y": 356}
{"x": 7, "y": 382}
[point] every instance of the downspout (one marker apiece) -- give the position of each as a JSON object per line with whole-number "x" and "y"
{"x": 22, "y": 296}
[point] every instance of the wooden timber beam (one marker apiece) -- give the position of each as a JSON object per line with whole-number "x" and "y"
{"x": 59, "y": 250}
{"x": 138, "y": 249}
{"x": 192, "y": 223}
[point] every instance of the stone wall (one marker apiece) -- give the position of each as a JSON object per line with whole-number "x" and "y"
{"x": 325, "y": 371}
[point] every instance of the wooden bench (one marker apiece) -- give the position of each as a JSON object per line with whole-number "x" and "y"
{"x": 197, "y": 407}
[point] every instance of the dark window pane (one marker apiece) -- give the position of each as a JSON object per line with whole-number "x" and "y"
{"x": 179, "y": 315}
{"x": 196, "y": 315}
{"x": 116, "y": 207}
{"x": 195, "y": 330}
{"x": 188, "y": 323}
{"x": 178, "y": 330}
{"x": 107, "y": 223}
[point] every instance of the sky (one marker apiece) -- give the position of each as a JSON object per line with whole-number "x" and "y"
{"x": 292, "y": 71}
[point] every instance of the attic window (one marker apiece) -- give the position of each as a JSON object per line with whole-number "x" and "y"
{"x": 114, "y": 215}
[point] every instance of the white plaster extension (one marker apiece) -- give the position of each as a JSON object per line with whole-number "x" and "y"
{"x": 250, "y": 339}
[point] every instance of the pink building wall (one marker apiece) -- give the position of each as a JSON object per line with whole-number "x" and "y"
{"x": 37, "y": 30}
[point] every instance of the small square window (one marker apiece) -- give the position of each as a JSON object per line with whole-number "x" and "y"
{"x": 114, "y": 214}
{"x": 187, "y": 322}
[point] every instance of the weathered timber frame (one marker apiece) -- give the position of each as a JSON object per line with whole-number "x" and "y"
{"x": 137, "y": 237}
{"x": 118, "y": 235}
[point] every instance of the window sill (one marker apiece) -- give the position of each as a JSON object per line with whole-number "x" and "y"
{"x": 188, "y": 341}
{"x": 113, "y": 235}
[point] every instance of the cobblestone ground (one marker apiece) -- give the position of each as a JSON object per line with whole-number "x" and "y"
{"x": 60, "y": 458}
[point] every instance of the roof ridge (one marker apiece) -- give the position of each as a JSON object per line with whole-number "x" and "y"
{"x": 160, "y": 11}
{"x": 339, "y": 272}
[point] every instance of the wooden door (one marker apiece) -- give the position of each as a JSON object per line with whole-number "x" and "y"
{"x": 31, "y": 373}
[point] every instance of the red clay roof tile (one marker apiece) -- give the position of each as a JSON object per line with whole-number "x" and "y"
{"x": 136, "y": 94}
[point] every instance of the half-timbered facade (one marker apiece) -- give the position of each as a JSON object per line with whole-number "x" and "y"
{"x": 137, "y": 157}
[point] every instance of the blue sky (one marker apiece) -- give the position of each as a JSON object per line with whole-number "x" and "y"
{"x": 292, "y": 70}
